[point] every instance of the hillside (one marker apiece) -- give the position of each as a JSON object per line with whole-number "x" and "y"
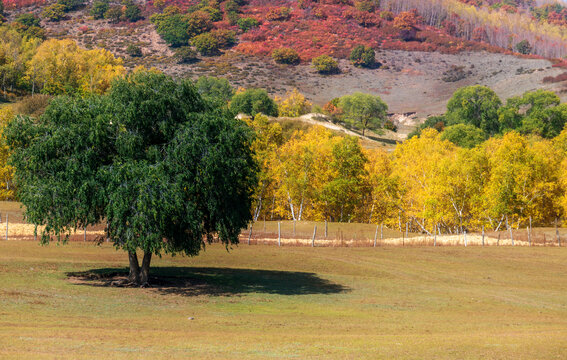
{"x": 425, "y": 49}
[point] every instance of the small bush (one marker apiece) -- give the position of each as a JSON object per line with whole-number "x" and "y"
{"x": 363, "y": 56}
{"x": 524, "y": 47}
{"x": 231, "y": 6}
{"x": 278, "y": 14}
{"x": 132, "y": 12}
{"x": 225, "y": 38}
{"x": 134, "y": 50}
{"x": 232, "y": 17}
{"x": 54, "y": 12}
{"x": 365, "y": 5}
{"x": 247, "y": 23}
{"x": 285, "y": 56}
{"x": 185, "y": 55}
{"x": 206, "y": 44}
{"x": 198, "y": 23}
{"x": 387, "y": 15}
{"x": 325, "y": 64}
{"x": 99, "y": 8}
{"x": 113, "y": 14}
{"x": 70, "y": 5}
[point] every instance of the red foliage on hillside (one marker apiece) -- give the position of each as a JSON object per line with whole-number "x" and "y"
{"x": 18, "y": 4}
{"x": 334, "y": 29}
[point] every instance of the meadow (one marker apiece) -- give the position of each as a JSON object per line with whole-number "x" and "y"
{"x": 259, "y": 302}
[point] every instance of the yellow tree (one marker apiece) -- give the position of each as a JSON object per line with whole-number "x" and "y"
{"x": 268, "y": 139}
{"x": 303, "y": 169}
{"x": 384, "y": 202}
{"x": 293, "y": 105}
{"x": 523, "y": 181}
{"x": 416, "y": 165}
{"x": 62, "y": 67}
{"x": 6, "y": 171}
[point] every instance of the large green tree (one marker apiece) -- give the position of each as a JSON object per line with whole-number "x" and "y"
{"x": 363, "y": 111}
{"x": 475, "y": 105}
{"x": 164, "y": 170}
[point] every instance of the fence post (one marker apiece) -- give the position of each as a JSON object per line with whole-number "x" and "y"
{"x": 498, "y": 241}
{"x": 35, "y": 233}
{"x": 293, "y": 227}
{"x": 264, "y": 223}
{"x": 543, "y": 239}
{"x": 376, "y": 235}
{"x": 250, "y": 234}
{"x": 85, "y": 234}
{"x": 529, "y": 236}
{"x": 381, "y": 232}
{"x": 279, "y": 233}
{"x": 404, "y": 238}
{"x": 314, "y": 234}
{"x": 483, "y": 235}
{"x": 6, "y": 226}
{"x": 326, "y": 229}
{"x": 510, "y": 230}
{"x": 465, "y": 233}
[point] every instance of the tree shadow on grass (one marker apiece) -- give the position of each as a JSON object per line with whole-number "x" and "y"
{"x": 194, "y": 281}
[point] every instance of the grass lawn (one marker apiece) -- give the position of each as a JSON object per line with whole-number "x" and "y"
{"x": 259, "y": 302}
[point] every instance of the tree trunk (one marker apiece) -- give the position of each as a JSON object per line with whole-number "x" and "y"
{"x": 134, "y": 276}
{"x": 145, "y": 271}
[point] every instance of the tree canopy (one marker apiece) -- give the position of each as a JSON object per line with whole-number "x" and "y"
{"x": 363, "y": 111}
{"x": 475, "y": 105}
{"x": 151, "y": 158}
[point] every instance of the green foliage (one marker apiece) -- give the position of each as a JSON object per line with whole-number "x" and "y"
{"x": 536, "y": 112}
{"x": 363, "y": 111}
{"x": 213, "y": 88}
{"x": 29, "y": 25}
{"x": 286, "y": 56}
{"x": 186, "y": 55}
{"x": 247, "y": 23}
{"x": 225, "y": 38}
{"x": 524, "y": 47}
{"x": 99, "y": 8}
{"x": 206, "y": 44}
{"x": 172, "y": 27}
{"x": 134, "y": 50}
{"x": 149, "y": 159}
{"x": 198, "y": 22}
{"x": 54, "y": 12}
{"x": 475, "y": 105}
{"x": 132, "y": 12}
{"x": 435, "y": 122}
{"x": 253, "y": 101}
{"x": 231, "y": 6}
{"x": 2, "y": 8}
{"x": 363, "y": 56}
{"x": 70, "y": 5}
{"x": 464, "y": 135}
{"x": 232, "y": 17}
{"x": 325, "y": 64}
{"x": 114, "y": 14}
{"x": 214, "y": 14}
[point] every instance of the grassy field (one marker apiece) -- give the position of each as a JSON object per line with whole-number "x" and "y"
{"x": 259, "y": 302}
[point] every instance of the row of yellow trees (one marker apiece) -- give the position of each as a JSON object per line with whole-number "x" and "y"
{"x": 427, "y": 182}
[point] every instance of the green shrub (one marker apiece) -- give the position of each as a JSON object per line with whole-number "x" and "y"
{"x": 215, "y": 14}
{"x": 247, "y": 23}
{"x": 54, "y": 12}
{"x": 285, "y": 56}
{"x": 225, "y": 38}
{"x": 214, "y": 88}
{"x": 252, "y": 102}
{"x": 132, "y": 12}
{"x": 98, "y": 9}
{"x": 232, "y": 17}
{"x": 198, "y": 22}
{"x": 231, "y": 6}
{"x": 363, "y": 56}
{"x": 134, "y": 50}
{"x": 113, "y": 14}
{"x": 71, "y": 4}
{"x": 186, "y": 55}
{"x": 325, "y": 64}
{"x": 206, "y": 44}
{"x": 524, "y": 47}
{"x": 172, "y": 28}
